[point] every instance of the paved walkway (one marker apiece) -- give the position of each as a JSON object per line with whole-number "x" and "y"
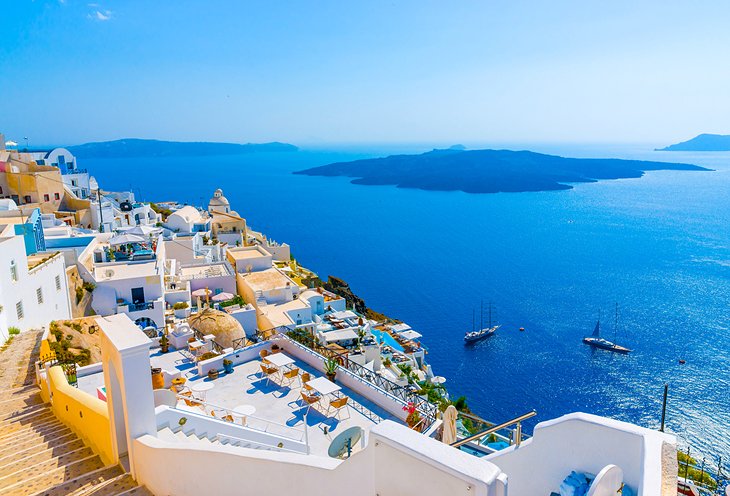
{"x": 17, "y": 360}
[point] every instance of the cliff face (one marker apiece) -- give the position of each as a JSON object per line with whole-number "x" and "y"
{"x": 701, "y": 143}
{"x": 340, "y": 287}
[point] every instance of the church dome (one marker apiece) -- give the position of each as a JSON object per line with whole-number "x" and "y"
{"x": 218, "y": 199}
{"x": 225, "y": 328}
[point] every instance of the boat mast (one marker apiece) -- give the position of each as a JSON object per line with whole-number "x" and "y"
{"x": 490, "y": 314}
{"x": 481, "y": 315}
{"x": 473, "y": 317}
{"x": 615, "y": 324}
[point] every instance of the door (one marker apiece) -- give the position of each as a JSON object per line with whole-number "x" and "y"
{"x": 137, "y": 295}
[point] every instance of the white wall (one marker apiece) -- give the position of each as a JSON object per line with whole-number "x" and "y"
{"x": 586, "y": 443}
{"x": 56, "y": 303}
{"x": 246, "y": 316}
{"x": 395, "y": 462}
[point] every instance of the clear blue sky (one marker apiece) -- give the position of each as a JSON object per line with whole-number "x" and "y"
{"x": 325, "y": 72}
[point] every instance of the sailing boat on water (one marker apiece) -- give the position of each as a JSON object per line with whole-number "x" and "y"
{"x": 483, "y": 332}
{"x": 596, "y": 341}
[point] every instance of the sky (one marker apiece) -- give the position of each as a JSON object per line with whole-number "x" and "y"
{"x": 365, "y": 72}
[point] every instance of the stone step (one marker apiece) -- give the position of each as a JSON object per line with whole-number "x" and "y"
{"x": 118, "y": 485}
{"x": 18, "y": 412}
{"x": 40, "y": 467}
{"x": 26, "y": 419}
{"x": 37, "y": 479}
{"x": 20, "y": 392}
{"x": 18, "y": 429}
{"x": 38, "y": 444}
{"x": 30, "y": 438}
{"x": 33, "y": 456}
{"x": 15, "y": 404}
{"x": 80, "y": 484}
{"x": 137, "y": 491}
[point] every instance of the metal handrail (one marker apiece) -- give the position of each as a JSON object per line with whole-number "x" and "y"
{"x": 241, "y": 440}
{"x": 486, "y": 432}
{"x": 230, "y": 411}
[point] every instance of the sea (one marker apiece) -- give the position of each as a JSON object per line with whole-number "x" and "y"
{"x": 552, "y": 263}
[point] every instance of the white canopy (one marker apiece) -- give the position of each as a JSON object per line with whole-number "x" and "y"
{"x": 123, "y": 239}
{"x": 340, "y": 335}
{"x": 400, "y": 327}
{"x": 345, "y": 314}
{"x": 411, "y": 335}
{"x": 142, "y": 230}
{"x": 202, "y": 292}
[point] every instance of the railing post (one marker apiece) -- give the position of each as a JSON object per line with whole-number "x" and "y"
{"x": 518, "y": 434}
{"x": 306, "y": 431}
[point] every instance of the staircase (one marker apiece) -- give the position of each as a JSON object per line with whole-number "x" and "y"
{"x": 39, "y": 455}
{"x": 179, "y": 436}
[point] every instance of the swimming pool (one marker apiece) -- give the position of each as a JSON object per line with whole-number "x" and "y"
{"x": 385, "y": 338}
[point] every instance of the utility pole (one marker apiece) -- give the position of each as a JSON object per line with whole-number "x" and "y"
{"x": 664, "y": 406}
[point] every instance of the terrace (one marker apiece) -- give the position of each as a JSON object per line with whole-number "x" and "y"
{"x": 272, "y": 405}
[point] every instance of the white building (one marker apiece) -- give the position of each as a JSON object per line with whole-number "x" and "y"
{"x": 134, "y": 286}
{"x": 33, "y": 288}
{"x": 75, "y": 178}
{"x": 187, "y": 220}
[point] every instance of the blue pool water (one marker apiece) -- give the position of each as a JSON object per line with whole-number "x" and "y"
{"x": 549, "y": 261}
{"x": 384, "y": 337}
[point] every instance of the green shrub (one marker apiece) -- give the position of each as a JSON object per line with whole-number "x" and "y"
{"x": 207, "y": 356}
{"x": 180, "y": 305}
{"x": 79, "y": 294}
{"x": 13, "y": 331}
{"x": 89, "y": 286}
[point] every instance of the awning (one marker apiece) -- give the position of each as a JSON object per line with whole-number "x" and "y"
{"x": 400, "y": 327}
{"x": 340, "y": 335}
{"x": 411, "y": 335}
{"x": 123, "y": 239}
{"x": 345, "y": 314}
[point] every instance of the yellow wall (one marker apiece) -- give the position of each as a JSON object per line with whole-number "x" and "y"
{"x": 87, "y": 416}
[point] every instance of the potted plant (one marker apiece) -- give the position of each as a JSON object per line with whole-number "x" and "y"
{"x": 413, "y": 417}
{"x": 181, "y": 309}
{"x": 213, "y": 374}
{"x": 275, "y": 348}
{"x": 228, "y": 366}
{"x": 164, "y": 344}
{"x": 330, "y": 368}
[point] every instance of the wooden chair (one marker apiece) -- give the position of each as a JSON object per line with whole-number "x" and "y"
{"x": 305, "y": 378}
{"x": 310, "y": 399}
{"x": 222, "y": 415}
{"x": 263, "y": 354}
{"x": 290, "y": 376}
{"x": 268, "y": 371}
{"x": 338, "y": 405}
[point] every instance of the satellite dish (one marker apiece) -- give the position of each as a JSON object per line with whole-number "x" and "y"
{"x": 608, "y": 482}
{"x": 341, "y": 446}
{"x": 109, "y": 273}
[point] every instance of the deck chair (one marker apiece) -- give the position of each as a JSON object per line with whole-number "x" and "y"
{"x": 310, "y": 399}
{"x": 305, "y": 378}
{"x": 338, "y": 405}
{"x": 263, "y": 354}
{"x": 222, "y": 415}
{"x": 290, "y": 376}
{"x": 268, "y": 371}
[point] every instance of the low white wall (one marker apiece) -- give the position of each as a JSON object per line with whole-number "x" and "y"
{"x": 396, "y": 462}
{"x": 586, "y": 443}
{"x": 206, "y": 426}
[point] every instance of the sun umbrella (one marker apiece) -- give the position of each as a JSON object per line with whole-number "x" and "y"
{"x": 438, "y": 379}
{"x": 201, "y": 293}
{"x": 123, "y": 239}
{"x": 448, "y": 435}
{"x": 222, "y": 296}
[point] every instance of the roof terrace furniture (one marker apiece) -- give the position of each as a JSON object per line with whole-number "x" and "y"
{"x": 337, "y": 406}
{"x": 310, "y": 399}
{"x": 242, "y": 412}
{"x": 290, "y": 376}
{"x": 279, "y": 359}
{"x": 269, "y": 371}
{"x": 201, "y": 389}
{"x": 323, "y": 386}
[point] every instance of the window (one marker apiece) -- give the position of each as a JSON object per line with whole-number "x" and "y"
{"x": 74, "y": 182}
{"x": 19, "y": 309}
{"x": 26, "y": 199}
{"x": 58, "y": 283}
{"x": 1, "y": 190}
{"x": 56, "y": 196}
{"x": 39, "y": 295}
{"x": 13, "y": 271}
{"x": 46, "y": 198}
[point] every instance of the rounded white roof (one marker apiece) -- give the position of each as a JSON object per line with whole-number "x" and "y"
{"x": 218, "y": 199}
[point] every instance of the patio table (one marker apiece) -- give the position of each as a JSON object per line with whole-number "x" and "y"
{"x": 323, "y": 386}
{"x": 202, "y": 388}
{"x": 243, "y": 411}
{"x": 279, "y": 359}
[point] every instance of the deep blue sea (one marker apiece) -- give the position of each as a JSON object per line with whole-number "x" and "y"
{"x": 658, "y": 246}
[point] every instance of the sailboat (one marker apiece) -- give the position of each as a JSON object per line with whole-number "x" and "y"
{"x": 595, "y": 340}
{"x": 483, "y": 332}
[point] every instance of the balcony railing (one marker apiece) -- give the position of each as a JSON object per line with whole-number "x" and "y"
{"x": 138, "y": 307}
{"x": 75, "y": 171}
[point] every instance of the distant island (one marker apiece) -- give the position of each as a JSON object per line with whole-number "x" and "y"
{"x": 133, "y": 147}
{"x": 701, "y": 143}
{"x": 488, "y": 171}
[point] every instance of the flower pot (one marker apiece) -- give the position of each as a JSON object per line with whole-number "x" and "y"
{"x": 158, "y": 380}
{"x": 331, "y": 377}
{"x": 228, "y": 367}
{"x": 213, "y": 374}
